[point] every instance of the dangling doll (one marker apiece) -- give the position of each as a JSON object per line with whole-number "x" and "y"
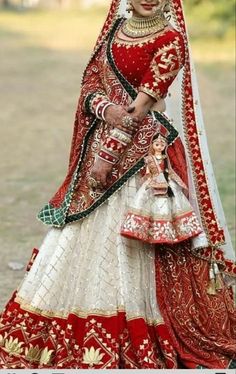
{"x": 161, "y": 212}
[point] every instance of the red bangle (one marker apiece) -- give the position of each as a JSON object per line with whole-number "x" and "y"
{"x": 107, "y": 156}
{"x": 114, "y": 145}
{"x": 101, "y": 106}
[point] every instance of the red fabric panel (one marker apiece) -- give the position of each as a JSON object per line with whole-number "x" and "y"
{"x": 202, "y": 326}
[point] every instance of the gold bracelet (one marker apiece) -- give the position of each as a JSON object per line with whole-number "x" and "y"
{"x": 121, "y": 136}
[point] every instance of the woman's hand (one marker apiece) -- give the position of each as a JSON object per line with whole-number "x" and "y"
{"x": 140, "y": 106}
{"x": 114, "y": 115}
{"x": 100, "y": 172}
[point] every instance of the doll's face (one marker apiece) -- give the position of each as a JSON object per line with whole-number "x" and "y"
{"x": 145, "y": 8}
{"x": 159, "y": 144}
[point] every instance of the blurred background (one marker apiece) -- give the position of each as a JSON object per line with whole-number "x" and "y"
{"x": 44, "y": 46}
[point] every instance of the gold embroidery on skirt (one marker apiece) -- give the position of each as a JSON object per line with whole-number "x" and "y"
{"x": 84, "y": 313}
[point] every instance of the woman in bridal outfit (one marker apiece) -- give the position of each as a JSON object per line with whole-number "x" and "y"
{"x": 93, "y": 297}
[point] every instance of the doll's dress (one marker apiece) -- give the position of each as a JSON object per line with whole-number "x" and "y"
{"x": 155, "y": 217}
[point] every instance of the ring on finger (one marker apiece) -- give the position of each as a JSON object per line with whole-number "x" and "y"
{"x": 127, "y": 121}
{"x": 93, "y": 182}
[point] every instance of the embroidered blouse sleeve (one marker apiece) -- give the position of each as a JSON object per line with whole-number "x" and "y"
{"x": 93, "y": 95}
{"x": 164, "y": 67}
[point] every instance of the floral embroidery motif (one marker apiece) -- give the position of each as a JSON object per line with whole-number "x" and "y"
{"x": 92, "y": 357}
{"x": 33, "y": 354}
{"x": 46, "y": 356}
{"x": 13, "y": 346}
{"x": 159, "y": 231}
{"x": 24, "y": 339}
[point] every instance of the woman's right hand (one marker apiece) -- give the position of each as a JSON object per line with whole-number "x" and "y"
{"x": 114, "y": 115}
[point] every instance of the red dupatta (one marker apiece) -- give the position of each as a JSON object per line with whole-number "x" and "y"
{"x": 75, "y": 199}
{"x": 63, "y": 207}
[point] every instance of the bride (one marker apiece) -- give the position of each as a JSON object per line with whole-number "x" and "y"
{"x": 91, "y": 297}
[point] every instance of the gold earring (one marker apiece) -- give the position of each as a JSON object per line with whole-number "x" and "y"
{"x": 165, "y": 6}
{"x": 129, "y": 7}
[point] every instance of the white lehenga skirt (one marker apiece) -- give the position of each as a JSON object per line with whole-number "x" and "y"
{"x": 89, "y": 300}
{"x": 89, "y": 267}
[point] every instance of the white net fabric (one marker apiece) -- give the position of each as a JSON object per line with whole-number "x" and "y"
{"x": 88, "y": 266}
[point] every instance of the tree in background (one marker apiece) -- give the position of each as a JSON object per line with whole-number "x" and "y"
{"x": 211, "y": 17}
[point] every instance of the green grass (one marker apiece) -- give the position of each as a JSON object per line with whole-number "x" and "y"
{"x": 42, "y": 56}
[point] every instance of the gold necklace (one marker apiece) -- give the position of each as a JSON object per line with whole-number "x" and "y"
{"x": 136, "y": 27}
{"x": 160, "y": 157}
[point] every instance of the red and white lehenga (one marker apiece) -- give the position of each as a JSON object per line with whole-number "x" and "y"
{"x": 94, "y": 299}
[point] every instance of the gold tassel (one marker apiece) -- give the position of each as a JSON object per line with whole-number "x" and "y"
{"x": 218, "y": 279}
{"x": 211, "y": 289}
{"x": 215, "y": 283}
{"x": 219, "y": 285}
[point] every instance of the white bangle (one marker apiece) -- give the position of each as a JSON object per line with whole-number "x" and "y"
{"x": 97, "y": 108}
{"x": 103, "y": 110}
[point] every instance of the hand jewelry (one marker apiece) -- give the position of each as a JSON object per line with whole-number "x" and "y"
{"x": 127, "y": 121}
{"x": 114, "y": 146}
{"x": 93, "y": 182}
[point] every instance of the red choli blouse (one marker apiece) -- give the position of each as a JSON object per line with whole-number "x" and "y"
{"x": 151, "y": 66}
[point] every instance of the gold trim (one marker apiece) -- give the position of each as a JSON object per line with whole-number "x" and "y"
{"x": 150, "y": 92}
{"x": 168, "y": 218}
{"x": 25, "y": 305}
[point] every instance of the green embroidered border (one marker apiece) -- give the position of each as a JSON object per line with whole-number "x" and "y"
{"x": 51, "y": 215}
{"x": 173, "y": 133}
{"x": 88, "y": 100}
{"x": 128, "y": 87}
{"x": 232, "y": 364}
{"x": 115, "y": 187}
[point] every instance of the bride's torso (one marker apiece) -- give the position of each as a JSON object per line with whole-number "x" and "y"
{"x": 133, "y": 56}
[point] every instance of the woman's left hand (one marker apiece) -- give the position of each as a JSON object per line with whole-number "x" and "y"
{"x": 100, "y": 172}
{"x": 115, "y": 114}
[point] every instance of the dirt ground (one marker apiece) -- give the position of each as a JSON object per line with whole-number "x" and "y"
{"x": 39, "y": 90}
